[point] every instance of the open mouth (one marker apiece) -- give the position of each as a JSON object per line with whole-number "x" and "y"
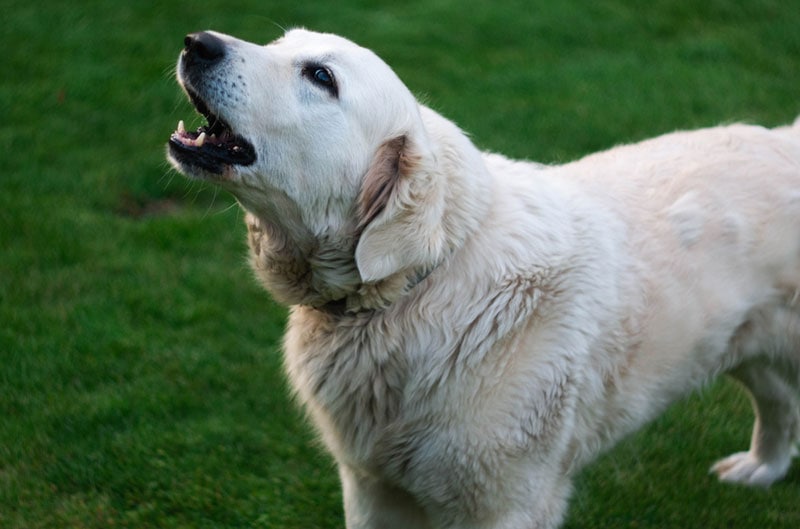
{"x": 211, "y": 147}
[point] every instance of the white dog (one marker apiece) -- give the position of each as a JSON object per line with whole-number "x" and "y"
{"x": 467, "y": 331}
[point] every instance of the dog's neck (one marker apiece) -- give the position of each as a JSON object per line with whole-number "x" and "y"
{"x": 320, "y": 274}
{"x": 300, "y": 268}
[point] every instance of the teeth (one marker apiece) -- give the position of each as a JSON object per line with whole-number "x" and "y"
{"x": 181, "y": 127}
{"x": 201, "y": 139}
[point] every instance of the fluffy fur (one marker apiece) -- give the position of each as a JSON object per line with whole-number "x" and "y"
{"x": 468, "y": 331}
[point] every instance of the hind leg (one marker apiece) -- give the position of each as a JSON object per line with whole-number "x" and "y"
{"x": 774, "y": 392}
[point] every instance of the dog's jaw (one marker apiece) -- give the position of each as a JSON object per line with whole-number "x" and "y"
{"x": 215, "y": 150}
{"x": 210, "y": 152}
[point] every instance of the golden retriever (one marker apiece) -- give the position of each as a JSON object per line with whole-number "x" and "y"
{"x": 468, "y": 331}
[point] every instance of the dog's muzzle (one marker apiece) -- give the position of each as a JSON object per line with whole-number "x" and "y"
{"x": 214, "y": 147}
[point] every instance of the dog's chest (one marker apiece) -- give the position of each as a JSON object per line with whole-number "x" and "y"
{"x": 350, "y": 378}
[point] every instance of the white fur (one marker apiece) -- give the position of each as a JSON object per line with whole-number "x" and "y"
{"x": 503, "y": 322}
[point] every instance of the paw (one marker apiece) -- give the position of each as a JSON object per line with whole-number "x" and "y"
{"x": 746, "y": 469}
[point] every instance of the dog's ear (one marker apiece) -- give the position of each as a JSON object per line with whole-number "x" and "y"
{"x": 400, "y": 210}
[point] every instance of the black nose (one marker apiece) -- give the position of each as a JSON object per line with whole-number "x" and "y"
{"x": 203, "y": 47}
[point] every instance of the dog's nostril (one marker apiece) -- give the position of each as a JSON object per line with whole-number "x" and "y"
{"x": 204, "y": 46}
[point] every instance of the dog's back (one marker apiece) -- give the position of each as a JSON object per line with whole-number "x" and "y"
{"x": 712, "y": 226}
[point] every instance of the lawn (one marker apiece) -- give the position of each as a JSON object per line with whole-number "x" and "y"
{"x": 141, "y": 383}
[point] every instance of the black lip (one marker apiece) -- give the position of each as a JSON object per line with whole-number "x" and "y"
{"x": 213, "y": 157}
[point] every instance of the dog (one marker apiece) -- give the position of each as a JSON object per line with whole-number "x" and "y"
{"x": 467, "y": 331}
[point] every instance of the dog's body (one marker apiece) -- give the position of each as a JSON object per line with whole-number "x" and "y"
{"x": 468, "y": 331}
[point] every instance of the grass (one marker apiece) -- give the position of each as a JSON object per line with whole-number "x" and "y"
{"x": 140, "y": 382}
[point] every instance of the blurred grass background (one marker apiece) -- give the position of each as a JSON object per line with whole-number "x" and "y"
{"x": 140, "y": 381}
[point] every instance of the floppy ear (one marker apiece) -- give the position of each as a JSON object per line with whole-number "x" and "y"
{"x": 400, "y": 211}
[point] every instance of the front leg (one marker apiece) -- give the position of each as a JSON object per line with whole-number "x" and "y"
{"x": 372, "y": 504}
{"x": 524, "y": 503}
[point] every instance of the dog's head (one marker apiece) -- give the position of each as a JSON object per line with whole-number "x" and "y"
{"x": 320, "y": 140}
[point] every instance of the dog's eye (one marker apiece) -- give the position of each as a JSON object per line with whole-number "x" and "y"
{"x": 321, "y": 76}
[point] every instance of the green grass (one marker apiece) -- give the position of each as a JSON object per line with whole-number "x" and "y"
{"x": 140, "y": 382}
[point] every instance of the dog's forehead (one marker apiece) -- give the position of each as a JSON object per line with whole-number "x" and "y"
{"x": 305, "y": 38}
{"x": 302, "y": 44}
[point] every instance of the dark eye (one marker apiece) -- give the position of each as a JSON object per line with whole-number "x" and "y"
{"x": 321, "y": 76}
